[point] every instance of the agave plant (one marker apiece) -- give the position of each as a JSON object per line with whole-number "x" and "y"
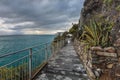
{"x": 96, "y": 34}
{"x": 108, "y": 2}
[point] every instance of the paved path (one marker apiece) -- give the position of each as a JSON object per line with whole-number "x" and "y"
{"x": 64, "y": 66}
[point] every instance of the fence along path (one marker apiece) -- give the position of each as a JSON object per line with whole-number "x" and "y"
{"x": 26, "y": 63}
{"x": 64, "y": 66}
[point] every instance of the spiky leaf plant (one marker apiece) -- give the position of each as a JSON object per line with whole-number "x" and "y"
{"x": 97, "y": 34}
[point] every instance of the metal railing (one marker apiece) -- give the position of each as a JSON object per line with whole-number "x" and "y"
{"x": 26, "y": 63}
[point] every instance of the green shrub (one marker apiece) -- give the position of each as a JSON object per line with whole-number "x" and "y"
{"x": 74, "y": 31}
{"x": 13, "y": 73}
{"x": 118, "y": 8}
{"x": 97, "y": 34}
{"x": 107, "y": 2}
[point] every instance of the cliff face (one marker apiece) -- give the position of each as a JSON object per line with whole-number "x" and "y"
{"x": 102, "y": 63}
{"x": 103, "y": 9}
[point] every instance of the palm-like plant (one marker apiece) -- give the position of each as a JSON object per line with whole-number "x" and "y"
{"x": 97, "y": 34}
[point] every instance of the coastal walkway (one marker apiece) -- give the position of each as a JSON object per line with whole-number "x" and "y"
{"x": 65, "y": 65}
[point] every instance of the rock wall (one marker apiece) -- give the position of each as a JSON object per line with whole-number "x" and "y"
{"x": 85, "y": 58}
{"x": 100, "y": 63}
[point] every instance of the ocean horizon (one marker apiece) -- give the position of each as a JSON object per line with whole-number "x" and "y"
{"x": 8, "y": 43}
{"x": 13, "y": 43}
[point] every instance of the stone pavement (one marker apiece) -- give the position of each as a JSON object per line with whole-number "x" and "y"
{"x": 64, "y": 66}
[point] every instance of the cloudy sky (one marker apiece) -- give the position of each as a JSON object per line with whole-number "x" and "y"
{"x": 38, "y": 16}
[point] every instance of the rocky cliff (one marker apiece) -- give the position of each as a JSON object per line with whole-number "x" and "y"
{"x": 101, "y": 63}
{"x": 102, "y": 10}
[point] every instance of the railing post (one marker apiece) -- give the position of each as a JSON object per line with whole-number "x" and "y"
{"x": 57, "y": 45}
{"x": 60, "y": 43}
{"x": 30, "y": 63}
{"x": 46, "y": 55}
{"x": 63, "y": 42}
{"x": 52, "y": 49}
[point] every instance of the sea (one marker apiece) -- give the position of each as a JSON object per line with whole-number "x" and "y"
{"x": 13, "y": 43}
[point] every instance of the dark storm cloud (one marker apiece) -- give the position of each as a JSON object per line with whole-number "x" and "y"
{"x": 45, "y": 14}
